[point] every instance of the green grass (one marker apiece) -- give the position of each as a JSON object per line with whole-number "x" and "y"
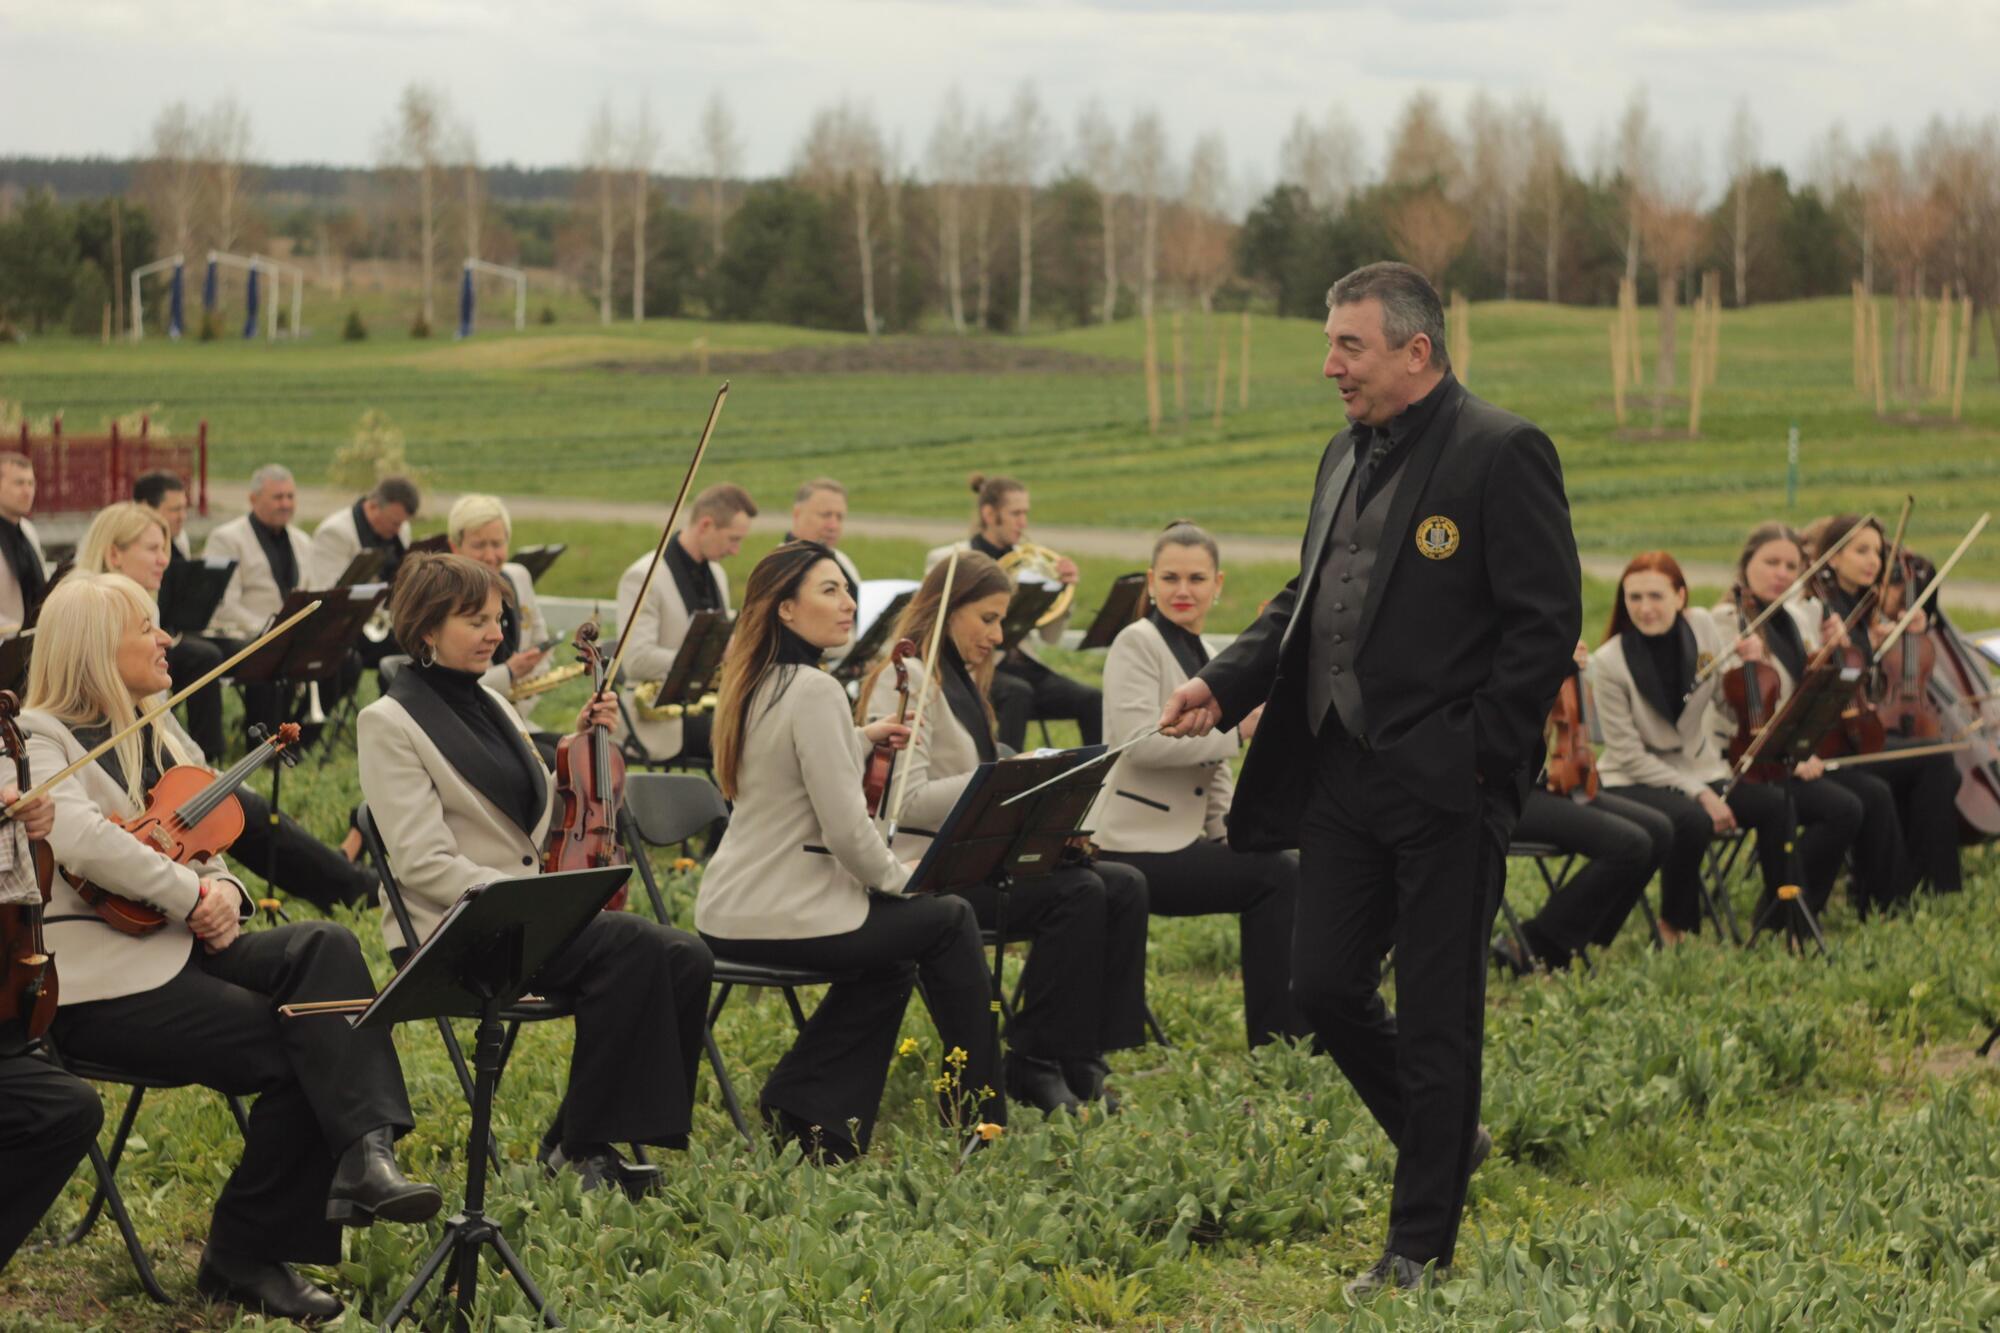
{"x": 574, "y": 409}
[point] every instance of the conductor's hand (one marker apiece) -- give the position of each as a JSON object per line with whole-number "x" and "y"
{"x": 37, "y": 819}
{"x": 599, "y": 712}
{"x": 217, "y": 918}
{"x": 1066, "y": 570}
{"x": 887, "y": 732}
{"x": 521, "y": 663}
{"x": 1191, "y": 711}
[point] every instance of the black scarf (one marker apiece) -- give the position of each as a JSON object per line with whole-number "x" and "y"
{"x": 26, "y": 563}
{"x": 277, "y": 544}
{"x": 1662, "y": 666}
{"x": 1781, "y": 635}
{"x": 466, "y": 726}
{"x": 510, "y": 631}
{"x": 1185, "y": 645}
{"x": 961, "y": 695}
{"x": 984, "y": 547}
{"x": 693, "y": 578}
{"x": 149, "y": 774}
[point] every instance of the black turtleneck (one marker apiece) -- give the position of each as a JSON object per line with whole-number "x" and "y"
{"x": 1662, "y": 665}
{"x": 693, "y": 578}
{"x": 505, "y": 754}
{"x": 1185, "y": 645}
{"x": 277, "y": 544}
{"x": 987, "y": 548}
{"x": 961, "y": 695}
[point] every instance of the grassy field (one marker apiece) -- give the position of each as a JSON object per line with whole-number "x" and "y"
{"x": 574, "y": 409}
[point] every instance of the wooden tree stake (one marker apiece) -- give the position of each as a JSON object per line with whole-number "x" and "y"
{"x": 1152, "y": 377}
{"x": 1180, "y": 370}
{"x": 1243, "y": 367}
{"x": 1875, "y": 358}
{"x": 1221, "y": 374}
{"x": 1964, "y": 356}
{"x": 1619, "y": 364}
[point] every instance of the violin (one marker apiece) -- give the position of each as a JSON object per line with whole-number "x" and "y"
{"x": 1861, "y": 729}
{"x": 1571, "y": 767}
{"x": 881, "y": 764}
{"x": 1904, "y": 674}
{"x": 590, "y": 787}
{"x": 191, "y": 814}
{"x": 28, "y": 999}
{"x": 1752, "y": 691}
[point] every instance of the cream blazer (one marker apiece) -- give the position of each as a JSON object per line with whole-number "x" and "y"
{"x": 442, "y": 831}
{"x": 940, "y": 760}
{"x": 252, "y": 597}
{"x": 13, "y": 606}
{"x": 1806, "y": 613}
{"x": 802, "y": 854}
{"x": 94, "y": 961}
{"x": 1162, "y": 794}
{"x": 335, "y": 543}
{"x": 1644, "y": 749}
{"x": 533, "y": 630}
{"x": 656, "y": 630}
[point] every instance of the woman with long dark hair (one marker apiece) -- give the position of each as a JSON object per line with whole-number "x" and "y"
{"x": 804, "y": 878}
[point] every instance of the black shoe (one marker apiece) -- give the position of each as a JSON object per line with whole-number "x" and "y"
{"x": 1040, "y": 1084}
{"x": 821, "y": 1147}
{"x": 264, "y": 1286}
{"x": 1482, "y": 1148}
{"x": 1508, "y": 958}
{"x": 369, "y": 1187}
{"x": 1086, "y": 1080}
{"x": 604, "y": 1168}
{"x": 1392, "y": 1271}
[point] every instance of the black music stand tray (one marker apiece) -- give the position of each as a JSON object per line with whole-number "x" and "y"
{"x": 481, "y": 958}
{"x": 189, "y": 593}
{"x": 537, "y": 559}
{"x": 365, "y": 567}
{"x": 1121, "y": 608}
{"x": 868, "y": 647}
{"x": 1790, "y": 738}
{"x": 986, "y": 840}
{"x": 697, "y": 662}
{"x": 1024, "y": 612}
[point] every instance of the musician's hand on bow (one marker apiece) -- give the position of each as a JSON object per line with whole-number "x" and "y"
{"x": 525, "y": 661}
{"x": 1918, "y": 623}
{"x": 1810, "y": 769}
{"x": 1066, "y": 570}
{"x": 1833, "y": 630}
{"x": 218, "y": 917}
{"x": 1750, "y": 648}
{"x": 36, "y": 819}
{"x": 599, "y": 712}
{"x": 1191, "y": 710}
{"x": 888, "y": 732}
{"x": 1718, "y": 811}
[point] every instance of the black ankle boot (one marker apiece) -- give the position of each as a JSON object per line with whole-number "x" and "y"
{"x": 264, "y": 1286}
{"x": 368, "y": 1186}
{"x": 1038, "y": 1083}
{"x": 1086, "y": 1080}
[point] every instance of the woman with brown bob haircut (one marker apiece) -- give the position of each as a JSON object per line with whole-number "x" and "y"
{"x": 461, "y": 798}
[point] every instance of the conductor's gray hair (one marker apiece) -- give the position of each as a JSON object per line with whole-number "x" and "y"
{"x": 267, "y": 473}
{"x": 1410, "y": 305}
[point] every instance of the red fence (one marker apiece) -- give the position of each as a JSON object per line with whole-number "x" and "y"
{"x": 83, "y": 473}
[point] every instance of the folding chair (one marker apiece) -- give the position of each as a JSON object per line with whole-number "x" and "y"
{"x": 1542, "y": 854}
{"x": 665, "y": 810}
{"x": 1719, "y": 866}
{"x": 107, "y": 1194}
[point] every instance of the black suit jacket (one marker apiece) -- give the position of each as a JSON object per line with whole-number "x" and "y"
{"x": 1462, "y": 649}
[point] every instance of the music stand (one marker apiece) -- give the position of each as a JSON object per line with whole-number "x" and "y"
{"x": 868, "y": 647}
{"x": 988, "y": 837}
{"x": 1025, "y": 612}
{"x": 697, "y": 663}
{"x": 1121, "y": 608}
{"x": 314, "y": 652}
{"x": 190, "y": 591}
{"x": 537, "y": 559}
{"x": 365, "y": 567}
{"x": 1788, "y": 740}
{"x": 482, "y": 957}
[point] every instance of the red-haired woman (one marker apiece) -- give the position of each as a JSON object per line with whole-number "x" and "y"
{"x": 1660, "y": 749}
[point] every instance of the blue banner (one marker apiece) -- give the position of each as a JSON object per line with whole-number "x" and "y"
{"x": 465, "y": 305}
{"x": 250, "y": 305}
{"x": 174, "y": 313}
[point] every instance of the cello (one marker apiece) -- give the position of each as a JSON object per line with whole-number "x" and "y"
{"x": 28, "y": 1001}
{"x": 881, "y": 764}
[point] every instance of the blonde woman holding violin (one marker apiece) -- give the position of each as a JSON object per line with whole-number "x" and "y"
{"x": 1083, "y": 988}
{"x": 196, "y": 1000}
{"x": 804, "y": 879}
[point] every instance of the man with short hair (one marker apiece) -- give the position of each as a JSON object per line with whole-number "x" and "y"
{"x": 270, "y": 554}
{"x": 378, "y": 520}
{"x": 166, "y": 493}
{"x": 819, "y": 514}
{"x": 1407, "y": 671}
{"x": 691, "y": 581}
{"x": 23, "y": 572}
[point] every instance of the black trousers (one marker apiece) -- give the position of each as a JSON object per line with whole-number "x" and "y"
{"x": 303, "y": 866}
{"x": 1882, "y": 873}
{"x": 1625, "y": 843}
{"x": 191, "y": 657}
{"x": 1380, "y": 868}
{"x": 1262, "y": 890}
{"x": 1025, "y": 691}
{"x": 320, "y": 1083}
{"x": 1083, "y": 988}
{"x": 834, "y": 1073}
{"x": 1926, "y": 792}
{"x": 48, "y": 1120}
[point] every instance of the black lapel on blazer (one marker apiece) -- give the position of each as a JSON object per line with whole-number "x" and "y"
{"x": 1396, "y": 528}
{"x": 1326, "y": 501}
{"x": 455, "y": 742}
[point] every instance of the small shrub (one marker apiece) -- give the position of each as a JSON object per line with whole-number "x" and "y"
{"x": 548, "y": 315}
{"x": 211, "y": 327}
{"x": 354, "y": 330}
{"x": 376, "y": 451}
{"x": 420, "y": 327}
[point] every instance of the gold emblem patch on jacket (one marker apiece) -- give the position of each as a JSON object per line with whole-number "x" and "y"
{"x": 1437, "y": 537}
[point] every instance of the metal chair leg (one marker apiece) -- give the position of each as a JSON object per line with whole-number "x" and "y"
{"x": 109, "y": 1168}
{"x": 107, "y": 1185}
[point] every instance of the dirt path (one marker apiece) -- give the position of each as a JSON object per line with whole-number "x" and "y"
{"x": 315, "y": 503}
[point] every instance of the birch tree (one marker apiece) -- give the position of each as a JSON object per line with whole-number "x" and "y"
{"x": 1098, "y": 159}
{"x": 1146, "y": 173}
{"x": 1548, "y": 175}
{"x": 1026, "y": 140}
{"x": 843, "y": 152}
{"x": 642, "y": 150}
{"x": 719, "y": 150}
{"x": 1638, "y": 155}
{"x": 170, "y": 182}
{"x": 225, "y": 138}
{"x": 414, "y": 144}
{"x": 1323, "y": 159}
{"x": 1739, "y": 155}
{"x": 600, "y": 161}
{"x": 948, "y": 157}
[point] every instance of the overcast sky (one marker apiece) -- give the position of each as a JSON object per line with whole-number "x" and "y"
{"x": 320, "y": 76}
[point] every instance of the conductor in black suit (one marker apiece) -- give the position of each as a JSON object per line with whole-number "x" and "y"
{"x": 1408, "y": 669}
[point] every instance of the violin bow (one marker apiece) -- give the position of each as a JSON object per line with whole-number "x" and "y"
{"x": 153, "y": 714}
{"x": 1910, "y": 611}
{"x": 666, "y": 534}
{"x": 933, "y": 674}
{"x": 1895, "y": 549}
{"x": 1721, "y": 660}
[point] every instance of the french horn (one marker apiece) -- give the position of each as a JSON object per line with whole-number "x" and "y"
{"x": 1037, "y": 564}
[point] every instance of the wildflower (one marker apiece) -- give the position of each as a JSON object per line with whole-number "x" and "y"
{"x": 683, "y": 864}
{"x": 909, "y": 1046}
{"x": 957, "y": 1057}
{"x": 990, "y": 1131}
{"x": 942, "y": 1083}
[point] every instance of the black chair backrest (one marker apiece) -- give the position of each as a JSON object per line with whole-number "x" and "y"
{"x": 371, "y": 838}
{"x": 666, "y": 808}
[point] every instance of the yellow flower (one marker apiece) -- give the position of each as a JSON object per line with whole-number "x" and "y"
{"x": 941, "y": 1084}
{"x": 990, "y": 1131}
{"x": 909, "y": 1046}
{"x": 683, "y": 864}
{"x": 957, "y": 1056}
